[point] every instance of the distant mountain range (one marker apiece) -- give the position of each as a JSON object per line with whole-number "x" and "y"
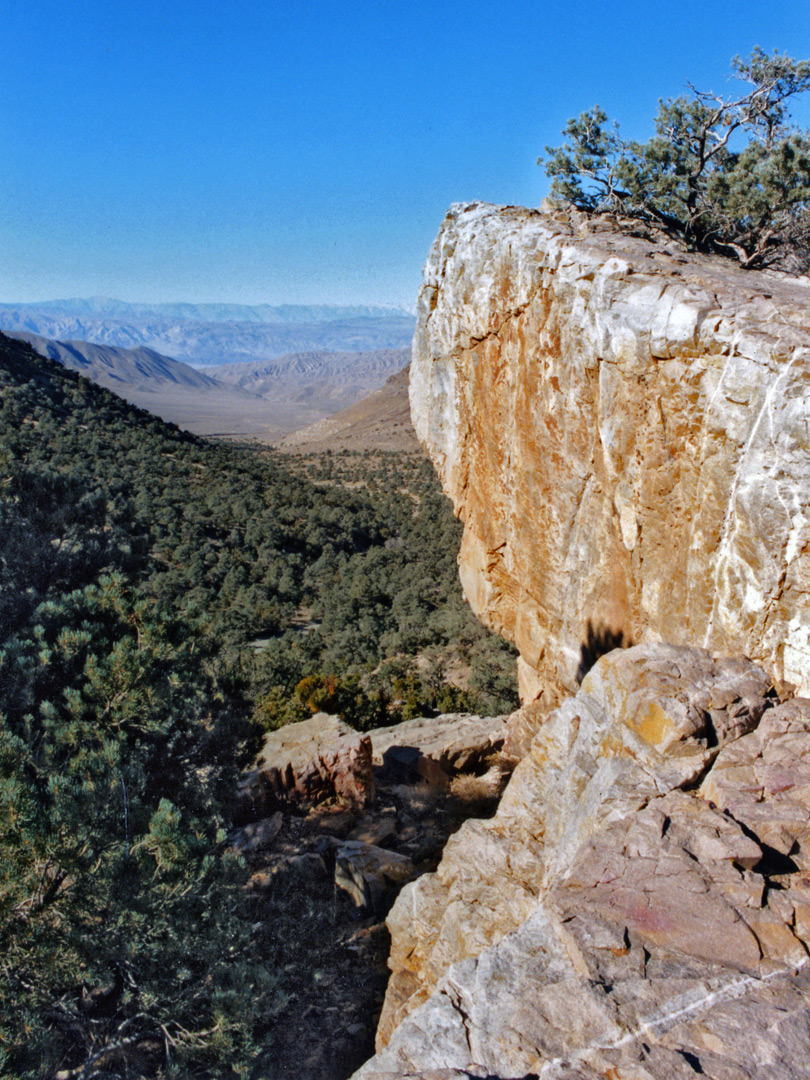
{"x": 213, "y": 334}
{"x": 261, "y": 313}
{"x": 258, "y": 400}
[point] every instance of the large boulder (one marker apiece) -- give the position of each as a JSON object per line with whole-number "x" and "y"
{"x": 623, "y": 429}
{"x": 639, "y": 907}
{"x": 456, "y": 742}
{"x": 310, "y": 762}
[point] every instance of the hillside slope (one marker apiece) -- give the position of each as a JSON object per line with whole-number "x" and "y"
{"x": 380, "y": 421}
{"x": 259, "y": 401}
{"x": 117, "y": 368}
{"x": 339, "y": 378}
{"x": 176, "y": 392}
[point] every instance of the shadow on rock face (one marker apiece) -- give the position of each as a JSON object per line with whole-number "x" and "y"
{"x": 599, "y": 640}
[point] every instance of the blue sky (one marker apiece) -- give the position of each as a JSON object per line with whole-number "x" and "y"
{"x": 306, "y": 152}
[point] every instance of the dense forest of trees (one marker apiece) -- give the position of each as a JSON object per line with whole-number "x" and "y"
{"x": 162, "y": 601}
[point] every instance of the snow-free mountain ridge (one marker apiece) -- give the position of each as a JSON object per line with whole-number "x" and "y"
{"x": 212, "y": 334}
{"x": 264, "y": 401}
{"x": 211, "y": 312}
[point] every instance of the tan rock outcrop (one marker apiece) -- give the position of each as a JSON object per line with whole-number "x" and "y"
{"x": 638, "y": 908}
{"x": 317, "y": 759}
{"x": 458, "y": 742}
{"x": 324, "y": 758}
{"x": 624, "y": 430}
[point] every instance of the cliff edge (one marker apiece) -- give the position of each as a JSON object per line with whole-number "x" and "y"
{"x": 624, "y": 429}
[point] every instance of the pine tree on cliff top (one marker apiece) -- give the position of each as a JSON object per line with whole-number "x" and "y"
{"x": 727, "y": 174}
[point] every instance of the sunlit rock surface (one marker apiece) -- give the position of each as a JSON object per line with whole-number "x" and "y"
{"x": 638, "y": 908}
{"x": 624, "y": 430}
{"x": 457, "y": 742}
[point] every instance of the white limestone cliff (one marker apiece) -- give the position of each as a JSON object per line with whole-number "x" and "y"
{"x": 624, "y": 430}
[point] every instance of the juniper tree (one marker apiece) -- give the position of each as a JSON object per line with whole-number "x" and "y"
{"x": 727, "y": 173}
{"x": 122, "y": 923}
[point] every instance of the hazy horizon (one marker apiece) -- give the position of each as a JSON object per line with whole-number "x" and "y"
{"x": 306, "y": 153}
{"x": 97, "y": 303}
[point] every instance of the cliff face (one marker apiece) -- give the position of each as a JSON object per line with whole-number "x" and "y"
{"x": 624, "y": 430}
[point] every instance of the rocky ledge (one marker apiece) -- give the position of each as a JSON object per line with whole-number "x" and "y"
{"x": 624, "y": 430}
{"x": 331, "y": 824}
{"x": 638, "y": 908}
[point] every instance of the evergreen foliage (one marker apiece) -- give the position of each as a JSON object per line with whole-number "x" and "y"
{"x": 727, "y": 174}
{"x": 137, "y": 567}
{"x": 122, "y": 922}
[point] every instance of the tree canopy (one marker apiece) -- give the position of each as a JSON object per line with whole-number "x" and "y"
{"x": 138, "y": 567}
{"x": 729, "y": 174}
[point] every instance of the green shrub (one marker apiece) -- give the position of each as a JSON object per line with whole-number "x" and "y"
{"x": 727, "y": 174}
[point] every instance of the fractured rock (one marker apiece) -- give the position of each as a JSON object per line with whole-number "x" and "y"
{"x": 296, "y": 744}
{"x": 437, "y": 747}
{"x": 522, "y": 726}
{"x": 257, "y": 834}
{"x": 623, "y": 432}
{"x": 367, "y": 873}
{"x": 318, "y": 759}
{"x": 376, "y": 830}
{"x": 638, "y": 907}
{"x": 763, "y": 782}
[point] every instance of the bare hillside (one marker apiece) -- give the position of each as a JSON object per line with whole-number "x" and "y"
{"x": 381, "y": 421}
